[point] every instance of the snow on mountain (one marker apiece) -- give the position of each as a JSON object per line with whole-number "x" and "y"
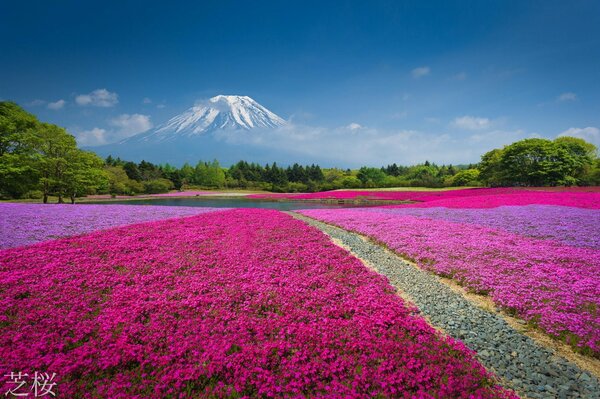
{"x": 218, "y": 113}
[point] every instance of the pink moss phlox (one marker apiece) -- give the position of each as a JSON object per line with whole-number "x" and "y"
{"x": 583, "y": 197}
{"x": 248, "y": 303}
{"x": 551, "y": 284}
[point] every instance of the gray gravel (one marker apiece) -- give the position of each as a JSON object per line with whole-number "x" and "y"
{"x": 528, "y": 368}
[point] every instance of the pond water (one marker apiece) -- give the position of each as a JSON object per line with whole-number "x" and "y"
{"x": 233, "y": 203}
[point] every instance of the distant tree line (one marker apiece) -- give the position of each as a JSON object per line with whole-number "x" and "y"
{"x": 39, "y": 160}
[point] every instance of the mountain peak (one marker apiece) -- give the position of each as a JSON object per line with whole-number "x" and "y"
{"x": 231, "y": 99}
{"x": 222, "y": 112}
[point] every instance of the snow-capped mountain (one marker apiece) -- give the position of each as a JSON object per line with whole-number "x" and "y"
{"x": 218, "y": 113}
{"x": 220, "y": 128}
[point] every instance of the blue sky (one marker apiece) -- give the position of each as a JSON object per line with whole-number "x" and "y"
{"x": 456, "y": 78}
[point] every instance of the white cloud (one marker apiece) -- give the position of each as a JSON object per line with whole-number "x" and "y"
{"x": 98, "y": 98}
{"x": 92, "y": 137}
{"x": 420, "y": 72}
{"x": 499, "y": 138}
{"x": 353, "y": 126}
{"x": 123, "y": 126}
{"x": 57, "y": 105}
{"x": 146, "y": 100}
{"x": 569, "y": 96}
{"x": 128, "y": 125}
{"x": 590, "y": 134}
{"x": 161, "y": 106}
{"x": 471, "y": 123}
{"x": 343, "y": 147}
{"x": 460, "y": 76}
{"x": 35, "y": 103}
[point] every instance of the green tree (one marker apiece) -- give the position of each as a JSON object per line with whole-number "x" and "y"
{"x": 132, "y": 170}
{"x": 120, "y": 183}
{"x": 85, "y": 174}
{"x": 584, "y": 154}
{"x": 490, "y": 168}
{"x": 467, "y": 177}
{"x": 17, "y": 131}
{"x": 538, "y": 162}
{"x": 55, "y": 151}
{"x": 157, "y": 186}
{"x": 370, "y": 177}
{"x": 276, "y": 176}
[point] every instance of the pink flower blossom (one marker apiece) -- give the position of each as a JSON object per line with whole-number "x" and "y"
{"x": 249, "y": 303}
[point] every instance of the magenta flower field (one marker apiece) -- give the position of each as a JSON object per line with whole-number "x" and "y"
{"x": 517, "y": 198}
{"x": 248, "y": 303}
{"x": 553, "y": 285}
{"x": 463, "y": 198}
{"x": 24, "y": 224}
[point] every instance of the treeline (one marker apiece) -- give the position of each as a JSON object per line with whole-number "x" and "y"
{"x": 39, "y": 160}
{"x": 131, "y": 178}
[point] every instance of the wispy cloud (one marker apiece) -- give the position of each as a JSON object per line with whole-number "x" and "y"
{"x": 352, "y": 146}
{"x": 354, "y": 126}
{"x": 146, "y": 100}
{"x": 56, "y": 105}
{"x": 92, "y": 137}
{"x": 128, "y": 125}
{"x": 590, "y": 134}
{"x": 122, "y": 126}
{"x": 568, "y": 96}
{"x": 420, "y": 72}
{"x": 471, "y": 123}
{"x": 98, "y": 98}
{"x": 460, "y": 76}
{"x": 36, "y": 103}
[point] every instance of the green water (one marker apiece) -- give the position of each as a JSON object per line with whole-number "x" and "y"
{"x": 233, "y": 203}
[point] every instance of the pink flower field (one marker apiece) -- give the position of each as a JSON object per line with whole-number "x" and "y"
{"x": 552, "y": 285}
{"x": 588, "y": 197}
{"x": 239, "y": 303}
{"x": 519, "y": 198}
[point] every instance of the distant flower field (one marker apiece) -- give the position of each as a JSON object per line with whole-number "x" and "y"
{"x": 239, "y": 303}
{"x": 552, "y": 280}
{"x": 465, "y": 198}
{"x": 24, "y": 224}
{"x": 569, "y": 225}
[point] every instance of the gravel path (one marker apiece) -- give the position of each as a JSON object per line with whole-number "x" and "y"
{"x": 530, "y": 369}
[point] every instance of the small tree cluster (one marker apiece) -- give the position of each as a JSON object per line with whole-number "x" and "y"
{"x": 565, "y": 161}
{"x": 41, "y": 159}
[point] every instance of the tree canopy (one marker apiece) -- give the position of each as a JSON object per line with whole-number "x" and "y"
{"x": 540, "y": 162}
{"x": 40, "y": 157}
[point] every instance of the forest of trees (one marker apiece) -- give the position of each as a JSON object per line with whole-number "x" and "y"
{"x": 39, "y": 160}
